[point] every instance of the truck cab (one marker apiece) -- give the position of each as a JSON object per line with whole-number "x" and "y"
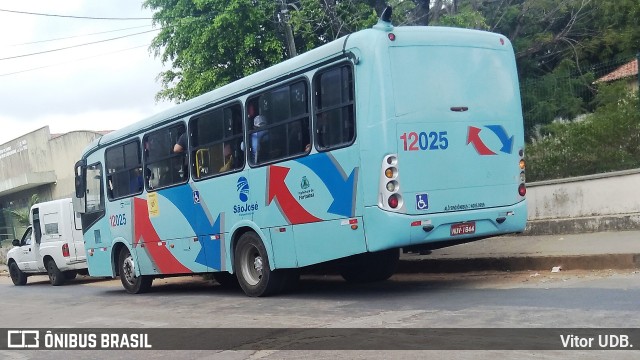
{"x": 52, "y": 245}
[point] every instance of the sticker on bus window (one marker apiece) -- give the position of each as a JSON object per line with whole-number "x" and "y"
{"x": 422, "y": 201}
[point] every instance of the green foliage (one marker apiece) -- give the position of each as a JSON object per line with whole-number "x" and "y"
{"x": 318, "y": 22}
{"x": 607, "y": 140}
{"x": 213, "y": 42}
{"x": 21, "y": 216}
{"x": 466, "y": 18}
{"x": 561, "y": 94}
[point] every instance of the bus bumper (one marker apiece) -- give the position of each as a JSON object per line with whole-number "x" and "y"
{"x": 386, "y": 230}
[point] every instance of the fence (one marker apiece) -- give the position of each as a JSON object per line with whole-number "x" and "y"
{"x": 582, "y": 121}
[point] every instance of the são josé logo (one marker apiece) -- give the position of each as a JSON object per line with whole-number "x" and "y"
{"x": 242, "y": 186}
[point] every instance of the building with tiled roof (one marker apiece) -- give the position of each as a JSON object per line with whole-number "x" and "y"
{"x": 627, "y": 72}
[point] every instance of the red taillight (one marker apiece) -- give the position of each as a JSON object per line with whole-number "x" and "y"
{"x": 392, "y": 36}
{"x": 393, "y": 201}
{"x": 522, "y": 190}
{"x": 65, "y": 250}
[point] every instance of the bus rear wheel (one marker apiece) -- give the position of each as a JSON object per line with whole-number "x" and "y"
{"x": 252, "y": 267}
{"x": 132, "y": 283}
{"x": 371, "y": 266}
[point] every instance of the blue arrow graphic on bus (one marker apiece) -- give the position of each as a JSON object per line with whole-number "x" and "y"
{"x": 507, "y": 142}
{"x": 341, "y": 187}
{"x": 200, "y": 221}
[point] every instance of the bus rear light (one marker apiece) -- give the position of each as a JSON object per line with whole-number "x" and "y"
{"x": 391, "y": 160}
{"x": 394, "y": 201}
{"x": 392, "y": 186}
{"x": 90, "y": 252}
{"x": 65, "y": 250}
{"x": 522, "y": 164}
{"x": 392, "y": 36}
{"x": 416, "y": 223}
{"x": 522, "y": 190}
{"x": 522, "y": 177}
{"x": 390, "y": 172}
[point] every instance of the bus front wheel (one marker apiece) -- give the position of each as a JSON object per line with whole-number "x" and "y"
{"x": 371, "y": 266}
{"x": 132, "y": 283}
{"x": 251, "y": 264}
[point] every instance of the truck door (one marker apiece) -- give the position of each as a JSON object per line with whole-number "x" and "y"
{"x": 34, "y": 259}
{"x": 24, "y": 256}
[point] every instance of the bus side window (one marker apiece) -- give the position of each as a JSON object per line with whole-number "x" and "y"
{"x": 286, "y": 133}
{"x": 123, "y": 164}
{"x": 215, "y": 141}
{"x": 165, "y": 166}
{"x": 335, "y": 125}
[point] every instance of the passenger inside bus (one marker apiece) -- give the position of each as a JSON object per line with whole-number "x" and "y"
{"x": 257, "y": 138}
{"x": 228, "y": 158}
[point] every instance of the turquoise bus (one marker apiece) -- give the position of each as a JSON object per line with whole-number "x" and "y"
{"x": 389, "y": 138}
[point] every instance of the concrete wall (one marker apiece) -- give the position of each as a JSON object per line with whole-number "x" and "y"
{"x": 585, "y": 204}
{"x": 37, "y": 163}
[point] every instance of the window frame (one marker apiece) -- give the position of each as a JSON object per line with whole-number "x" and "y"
{"x": 125, "y": 169}
{"x": 171, "y": 155}
{"x": 317, "y": 111}
{"x": 241, "y": 136}
{"x": 101, "y": 205}
{"x": 292, "y": 119}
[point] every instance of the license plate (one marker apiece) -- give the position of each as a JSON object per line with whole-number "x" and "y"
{"x": 463, "y": 228}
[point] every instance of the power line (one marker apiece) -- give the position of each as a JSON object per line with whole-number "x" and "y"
{"x": 67, "y": 62}
{"x": 71, "y": 16}
{"x": 74, "y": 46}
{"x": 77, "y": 36}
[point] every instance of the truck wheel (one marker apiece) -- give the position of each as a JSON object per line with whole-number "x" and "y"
{"x": 251, "y": 263}
{"x": 18, "y": 277}
{"x": 370, "y": 267}
{"x": 56, "y": 277}
{"x": 70, "y": 275}
{"x": 132, "y": 283}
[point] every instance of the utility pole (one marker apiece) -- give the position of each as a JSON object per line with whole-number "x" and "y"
{"x": 284, "y": 18}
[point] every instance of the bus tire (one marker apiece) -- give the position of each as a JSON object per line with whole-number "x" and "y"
{"x": 226, "y": 280}
{"x": 371, "y": 266}
{"x": 56, "y": 277}
{"x": 252, "y": 268}
{"x": 126, "y": 268}
{"x": 18, "y": 276}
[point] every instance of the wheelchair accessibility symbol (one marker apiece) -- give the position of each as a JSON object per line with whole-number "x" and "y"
{"x": 196, "y": 197}
{"x": 422, "y": 201}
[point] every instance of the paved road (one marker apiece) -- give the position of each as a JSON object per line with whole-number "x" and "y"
{"x": 488, "y": 300}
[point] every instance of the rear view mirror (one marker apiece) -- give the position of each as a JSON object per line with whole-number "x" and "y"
{"x": 80, "y": 178}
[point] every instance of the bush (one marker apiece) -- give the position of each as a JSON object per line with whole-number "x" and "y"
{"x": 607, "y": 140}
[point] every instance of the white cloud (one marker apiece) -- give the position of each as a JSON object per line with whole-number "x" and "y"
{"x": 103, "y": 86}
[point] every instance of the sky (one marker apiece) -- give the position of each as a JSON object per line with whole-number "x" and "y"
{"x": 102, "y": 86}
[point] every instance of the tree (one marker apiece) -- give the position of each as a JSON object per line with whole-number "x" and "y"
{"x": 213, "y": 42}
{"x": 21, "y": 216}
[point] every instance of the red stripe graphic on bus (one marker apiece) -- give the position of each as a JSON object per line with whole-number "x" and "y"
{"x": 289, "y": 207}
{"x": 473, "y": 137}
{"x": 143, "y": 229}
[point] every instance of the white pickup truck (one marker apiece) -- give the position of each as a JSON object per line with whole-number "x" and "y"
{"x": 52, "y": 245}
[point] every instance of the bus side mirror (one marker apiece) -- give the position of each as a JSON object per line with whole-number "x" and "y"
{"x": 15, "y": 242}
{"x": 80, "y": 180}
